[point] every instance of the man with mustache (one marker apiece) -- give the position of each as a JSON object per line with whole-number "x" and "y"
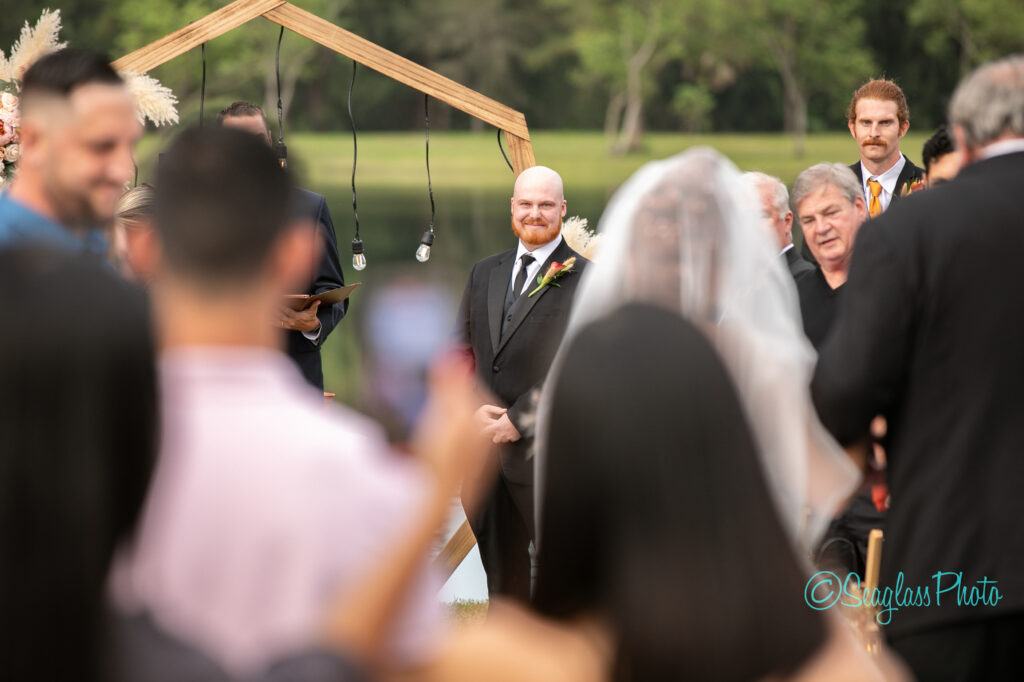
{"x": 930, "y": 335}
{"x": 513, "y": 323}
{"x": 78, "y": 133}
{"x": 878, "y": 119}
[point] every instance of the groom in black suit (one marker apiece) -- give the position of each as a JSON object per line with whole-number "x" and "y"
{"x": 930, "y": 335}
{"x": 513, "y": 322}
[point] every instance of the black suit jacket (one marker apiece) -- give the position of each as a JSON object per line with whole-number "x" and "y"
{"x": 798, "y": 266}
{"x": 512, "y": 363}
{"x": 930, "y": 333}
{"x": 304, "y": 352}
{"x": 908, "y": 176}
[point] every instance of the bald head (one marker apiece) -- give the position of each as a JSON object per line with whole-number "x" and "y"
{"x": 537, "y": 176}
{"x": 538, "y": 206}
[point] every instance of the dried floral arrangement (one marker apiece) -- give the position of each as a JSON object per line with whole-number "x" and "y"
{"x": 579, "y": 237}
{"x": 153, "y": 101}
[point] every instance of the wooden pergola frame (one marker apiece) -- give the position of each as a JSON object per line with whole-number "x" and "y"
{"x": 352, "y": 46}
{"x": 373, "y": 56}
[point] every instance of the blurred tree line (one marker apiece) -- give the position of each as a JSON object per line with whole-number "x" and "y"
{"x": 626, "y": 67}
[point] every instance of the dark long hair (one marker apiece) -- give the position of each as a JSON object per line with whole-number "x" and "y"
{"x": 78, "y": 428}
{"x": 657, "y": 515}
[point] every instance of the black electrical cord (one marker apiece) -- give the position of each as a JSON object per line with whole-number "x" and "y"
{"x": 430, "y": 189}
{"x": 503, "y": 151}
{"x": 280, "y": 105}
{"x": 352, "y": 120}
{"x": 202, "y": 90}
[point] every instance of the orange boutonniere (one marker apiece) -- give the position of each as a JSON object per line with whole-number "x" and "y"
{"x": 555, "y": 270}
{"x": 911, "y": 187}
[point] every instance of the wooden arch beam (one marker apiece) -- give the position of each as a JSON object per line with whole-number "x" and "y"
{"x": 350, "y": 45}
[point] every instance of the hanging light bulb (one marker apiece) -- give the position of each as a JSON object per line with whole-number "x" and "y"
{"x": 426, "y": 241}
{"x": 358, "y": 257}
{"x": 280, "y": 149}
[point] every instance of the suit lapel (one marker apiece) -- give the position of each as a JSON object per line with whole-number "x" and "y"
{"x": 497, "y": 287}
{"x": 525, "y": 303}
{"x": 908, "y": 174}
{"x": 856, "y": 171}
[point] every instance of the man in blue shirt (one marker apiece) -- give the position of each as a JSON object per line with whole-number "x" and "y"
{"x": 78, "y": 134}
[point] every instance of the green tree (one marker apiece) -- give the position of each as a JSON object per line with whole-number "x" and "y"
{"x": 240, "y": 63}
{"x": 981, "y": 30}
{"x": 815, "y": 47}
{"x": 623, "y": 47}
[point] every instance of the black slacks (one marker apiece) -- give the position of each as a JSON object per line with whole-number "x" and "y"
{"x": 504, "y": 529}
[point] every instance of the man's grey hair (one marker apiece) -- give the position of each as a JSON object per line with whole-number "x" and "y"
{"x": 780, "y": 195}
{"x": 822, "y": 175}
{"x": 990, "y": 102}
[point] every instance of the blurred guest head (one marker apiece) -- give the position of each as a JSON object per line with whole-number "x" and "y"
{"x": 223, "y": 215}
{"x": 78, "y": 417}
{"x": 774, "y": 206}
{"x": 656, "y": 514}
{"x": 538, "y": 206}
{"x": 829, "y": 205}
{"x": 78, "y": 135}
{"x": 878, "y": 118}
{"x": 133, "y": 243}
{"x": 245, "y": 116}
{"x": 940, "y": 158}
{"x": 988, "y": 107}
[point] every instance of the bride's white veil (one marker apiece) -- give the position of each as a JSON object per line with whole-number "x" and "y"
{"x": 685, "y": 234}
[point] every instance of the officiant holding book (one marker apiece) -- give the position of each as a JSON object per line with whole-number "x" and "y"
{"x": 307, "y": 329}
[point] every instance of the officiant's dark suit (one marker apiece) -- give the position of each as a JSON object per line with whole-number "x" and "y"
{"x": 513, "y": 351}
{"x": 306, "y": 352}
{"x": 930, "y": 334}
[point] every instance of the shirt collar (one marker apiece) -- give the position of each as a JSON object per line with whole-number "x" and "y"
{"x": 541, "y": 253}
{"x": 1003, "y": 147}
{"x": 887, "y": 179}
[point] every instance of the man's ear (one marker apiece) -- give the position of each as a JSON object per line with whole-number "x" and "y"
{"x": 861, "y": 208}
{"x": 850, "y": 125}
{"x": 31, "y": 139}
{"x": 904, "y": 127}
{"x": 295, "y": 255}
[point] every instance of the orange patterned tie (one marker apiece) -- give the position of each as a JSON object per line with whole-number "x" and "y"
{"x": 875, "y": 207}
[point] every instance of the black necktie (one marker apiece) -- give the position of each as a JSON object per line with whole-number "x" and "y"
{"x": 521, "y": 276}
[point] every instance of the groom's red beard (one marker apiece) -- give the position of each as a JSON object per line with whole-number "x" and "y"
{"x": 529, "y": 233}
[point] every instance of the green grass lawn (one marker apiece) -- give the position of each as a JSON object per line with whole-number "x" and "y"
{"x": 467, "y": 160}
{"x": 463, "y": 160}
